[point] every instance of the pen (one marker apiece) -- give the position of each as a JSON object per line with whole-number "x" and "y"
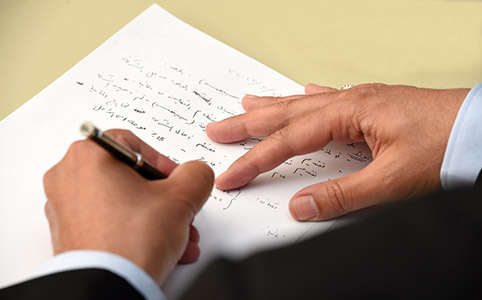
{"x": 121, "y": 152}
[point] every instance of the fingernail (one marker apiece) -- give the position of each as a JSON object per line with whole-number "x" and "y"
{"x": 305, "y": 207}
{"x": 248, "y": 96}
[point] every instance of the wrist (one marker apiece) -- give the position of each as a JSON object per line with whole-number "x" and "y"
{"x": 93, "y": 259}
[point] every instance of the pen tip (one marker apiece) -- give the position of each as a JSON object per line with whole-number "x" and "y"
{"x": 87, "y": 129}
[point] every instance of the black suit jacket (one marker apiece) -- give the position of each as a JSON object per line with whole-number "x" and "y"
{"x": 422, "y": 249}
{"x": 73, "y": 285}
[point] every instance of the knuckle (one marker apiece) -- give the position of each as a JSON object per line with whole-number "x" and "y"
{"x": 250, "y": 163}
{"x": 77, "y": 146}
{"x": 283, "y": 137}
{"x": 243, "y": 127}
{"x": 47, "y": 180}
{"x": 364, "y": 91}
{"x": 284, "y": 106}
{"x": 367, "y": 88}
{"x": 337, "y": 200}
{"x": 76, "y": 153}
{"x": 279, "y": 135}
{"x": 362, "y": 105}
{"x": 357, "y": 112}
{"x": 344, "y": 120}
{"x": 47, "y": 211}
{"x": 50, "y": 182}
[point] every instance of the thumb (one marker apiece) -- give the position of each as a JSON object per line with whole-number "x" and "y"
{"x": 327, "y": 200}
{"x": 192, "y": 182}
{"x": 312, "y": 88}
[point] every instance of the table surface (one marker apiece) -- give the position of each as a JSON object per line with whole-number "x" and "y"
{"x": 432, "y": 43}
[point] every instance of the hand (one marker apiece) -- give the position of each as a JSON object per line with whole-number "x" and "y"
{"x": 97, "y": 202}
{"x": 406, "y": 128}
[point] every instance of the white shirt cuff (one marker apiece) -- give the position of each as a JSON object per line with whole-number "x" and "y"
{"x": 463, "y": 157}
{"x": 86, "y": 259}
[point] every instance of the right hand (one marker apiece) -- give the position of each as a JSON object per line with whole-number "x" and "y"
{"x": 97, "y": 202}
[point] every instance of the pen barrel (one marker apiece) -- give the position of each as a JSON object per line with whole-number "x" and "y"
{"x": 121, "y": 152}
{"x": 131, "y": 158}
{"x": 150, "y": 172}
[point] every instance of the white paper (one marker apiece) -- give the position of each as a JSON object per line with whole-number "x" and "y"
{"x": 165, "y": 81}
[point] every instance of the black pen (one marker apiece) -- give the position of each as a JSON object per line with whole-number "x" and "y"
{"x": 121, "y": 152}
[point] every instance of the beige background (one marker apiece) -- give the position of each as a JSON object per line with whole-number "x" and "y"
{"x": 433, "y": 43}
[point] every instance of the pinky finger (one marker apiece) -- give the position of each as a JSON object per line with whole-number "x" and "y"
{"x": 191, "y": 254}
{"x": 312, "y": 88}
{"x": 251, "y": 102}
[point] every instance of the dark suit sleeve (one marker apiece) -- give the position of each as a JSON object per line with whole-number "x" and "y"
{"x": 478, "y": 183}
{"x": 85, "y": 284}
{"x": 419, "y": 249}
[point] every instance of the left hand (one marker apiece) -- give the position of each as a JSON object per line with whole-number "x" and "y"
{"x": 407, "y": 129}
{"x": 97, "y": 202}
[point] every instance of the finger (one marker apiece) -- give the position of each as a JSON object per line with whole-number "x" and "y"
{"x": 193, "y": 234}
{"x": 191, "y": 254}
{"x": 190, "y": 183}
{"x": 265, "y": 120}
{"x": 358, "y": 190}
{"x": 49, "y": 214}
{"x": 127, "y": 138}
{"x": 312, "y": 88}
{"x": 251, "y": 102}
{"x": 49, "y": 182}
{"x": 302, "y": 137}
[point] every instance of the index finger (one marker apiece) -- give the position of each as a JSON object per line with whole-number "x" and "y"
{"x": 301, "y": 137}
{"x": 129, "y": 139}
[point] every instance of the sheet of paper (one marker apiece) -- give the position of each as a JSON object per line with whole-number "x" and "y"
{"x": 165, "y": 81}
